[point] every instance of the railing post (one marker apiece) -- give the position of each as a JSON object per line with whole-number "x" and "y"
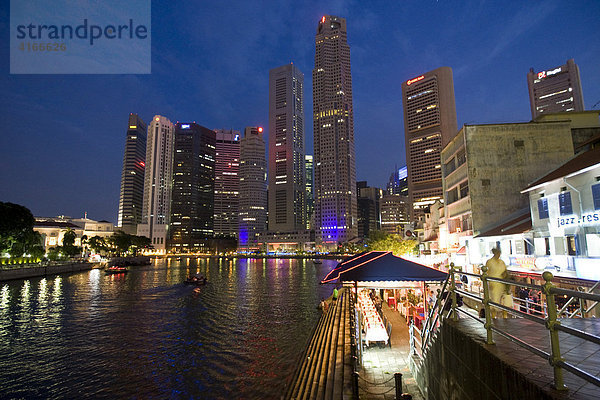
{"x": 453, "y": 289}
{"x": 551, "y": 323}
{"x": 486, "y": 305}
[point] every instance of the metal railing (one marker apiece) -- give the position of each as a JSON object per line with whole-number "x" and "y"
{"x": 421, "y": 340}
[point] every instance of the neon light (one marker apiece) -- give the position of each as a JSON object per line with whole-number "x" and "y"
{"x": 260, "y": 129}
{"x": 132, "y": 127}
{"x": 417, "y": 79}
{"x": 356, "y": 266}
{"x": 143, "y": 164}
{"x": 185, "y": 126}
{"x": 323, "y": 19}
{"x": 541, "y": 74}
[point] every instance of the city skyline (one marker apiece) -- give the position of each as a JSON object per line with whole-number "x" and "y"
{"x": 64, "y": 131}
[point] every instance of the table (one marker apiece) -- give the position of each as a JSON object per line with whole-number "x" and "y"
{"x": 372, "y": 324}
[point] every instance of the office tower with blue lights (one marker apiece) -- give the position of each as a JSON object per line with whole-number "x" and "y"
{"x": 336, "y": 218}
{"x": 287, "y": 190}
{"x": 192, "y": 223}
{"x": 429, "y": 124}
{"x": 227, "y": 182}
{"x": 158, "y": 183}
{"x": 132, "y": 176}
{"x": 253, "y": 189}
{"x": 309, "y": 181}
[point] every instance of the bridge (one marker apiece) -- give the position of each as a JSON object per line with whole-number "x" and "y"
{"x": 458, "y": 354}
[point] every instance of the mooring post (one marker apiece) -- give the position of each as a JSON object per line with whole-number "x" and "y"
{"x": 398, "y": 380}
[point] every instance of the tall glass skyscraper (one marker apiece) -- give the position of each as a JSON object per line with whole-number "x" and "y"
{"x": 158, "y": 183}
{"x": 192, "y": 200}
{"x": 132, "y": 176}
{"x": 333, "y": 127}
{"x": 310, "y": 197}
{"x": 287, "y": 191}
{"x": 227, "y": 182}
{"x": 253, "y": 189}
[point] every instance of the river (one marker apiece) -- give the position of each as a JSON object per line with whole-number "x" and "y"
{"x": 147, "y": 335}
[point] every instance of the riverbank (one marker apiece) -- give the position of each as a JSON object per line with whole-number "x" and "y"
{"x": 32, "y": 270}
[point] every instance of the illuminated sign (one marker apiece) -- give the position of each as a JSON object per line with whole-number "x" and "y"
{"x": 236, "y": 138}
{"x": 585, "y": 219}
{"x": 185, "y": 126}
{"x": 323, "y": 19}
{"x": 545, "y": 74}
{"x": 143, "y": 164}
{"x": 260, "y": 129}
{"x": 132, "y": 127}
{"x": 417, "y": 79}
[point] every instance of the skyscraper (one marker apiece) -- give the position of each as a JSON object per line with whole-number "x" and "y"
{"x": 398, "y": 183}
{"x": 193, "y": 188}
{"x": 227, "y": 182}
{"x": 310, "y": 201}
{"x": 287, "y": 191}
{"x": 253, "y": 188}
{"x": 132, "y": 176}
{"x": 555, "y": 90}
{"x": 333, "y": 127}
{"x": 158, "y": 183}
{"x": 429, "y": 124}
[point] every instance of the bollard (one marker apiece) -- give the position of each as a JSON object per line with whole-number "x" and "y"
{"x": 398, "y": 380}
{"x": 406, "y": 396}
{"x": 551, "y": 323}
{"x": 486, "y": 305}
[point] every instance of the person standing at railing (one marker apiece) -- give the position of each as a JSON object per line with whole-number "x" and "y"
{"x": 496, "y": 268}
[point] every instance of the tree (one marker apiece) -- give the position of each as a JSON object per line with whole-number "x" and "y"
{"x": 138, "y": 243}
{"x": 121, "y": 241}
{"x": 382, "y": 241}
{"x": 97, "y": 244}
{"x": 16, "y": 224}
{"x": 69, "y": 247}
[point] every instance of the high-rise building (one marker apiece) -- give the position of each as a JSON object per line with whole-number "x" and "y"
{"x": 158, "y": 183}
{"x": 394, "y": 213}
{"x": 398, "y": 183}
{"x": 429, "y": 124}
{"x": 193, "y": 188}
{"x": 369, "y": 215}
{"x": 287, "y": 191}
{"x": 555, "y": 90}
{"x": 132, "y": 176}
{"x": 310, "y": 201}
{"x": 227, "y": 182}
{"x": 333, "y": 128}
{"x": 253, "y": 189}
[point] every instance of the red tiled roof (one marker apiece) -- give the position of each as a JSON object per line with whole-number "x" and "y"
{"x": 577, "y": 163}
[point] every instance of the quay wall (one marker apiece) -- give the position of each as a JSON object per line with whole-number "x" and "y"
{"x": 35, "y": 271}
{"x": 459, "y": 366}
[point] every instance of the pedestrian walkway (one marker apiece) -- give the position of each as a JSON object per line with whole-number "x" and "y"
{"x": 381, "y": 362}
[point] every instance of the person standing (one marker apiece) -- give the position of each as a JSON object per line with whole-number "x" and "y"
{"x": 496, "y": 268}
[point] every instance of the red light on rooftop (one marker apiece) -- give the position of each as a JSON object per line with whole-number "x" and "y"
{"x": 323, "y": 19}
{"x": 260, "y": 129}
{"x": 417, "y": 79}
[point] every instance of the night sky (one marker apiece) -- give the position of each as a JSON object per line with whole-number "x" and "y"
{"x": 62, "y": 136}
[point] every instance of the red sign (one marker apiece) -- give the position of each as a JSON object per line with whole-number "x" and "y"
{"x": 417, "y": 79}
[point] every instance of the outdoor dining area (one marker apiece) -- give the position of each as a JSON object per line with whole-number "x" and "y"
{"x": 375, "y": 327}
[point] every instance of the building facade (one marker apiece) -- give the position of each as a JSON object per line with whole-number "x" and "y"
{"x": 369, "y": 214}
{"x": 287, "y": 190}
{"x": 310, "y": 191}
{"x": 429, "y": 124}
{"x": 394, "y": 213}
{"x": 192, "y": 219}
{"x": 398, "y": 183}
{"x": 158, "y": 183}
{"x": 132, "y": 176}
{"x": 565, "y": 214}
{"x": 484, "y": 168}
{"x": 555, "y": 90}
{"x": 253, "y": 189}
{"x": 227, "y": 182}
{"x": 336, "y": 219}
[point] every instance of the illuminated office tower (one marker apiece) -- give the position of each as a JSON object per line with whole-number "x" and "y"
{"x": 253, "y": 189}
{"x": 310, "y": 201}
{"x": 193, "y": 188}
{"x": 555, "y": 90}
{"x": 429, "y": 124}
{"x": 287, "y": 191}
{"x": 158, "y": 183}
{"x": 227, "y": 182}
{"x": 333, "y": 126}
{"x": 132, "y": 176}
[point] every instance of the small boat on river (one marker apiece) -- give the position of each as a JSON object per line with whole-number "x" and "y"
{"x": 197, "y": 280}
{"x": 116, "y": 269}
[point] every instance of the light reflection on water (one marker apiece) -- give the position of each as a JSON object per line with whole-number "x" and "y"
{"x": 146, "y": 335}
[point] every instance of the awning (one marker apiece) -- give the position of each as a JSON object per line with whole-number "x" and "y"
{"x": 382, "y": 266}
{"x": 516, "y": 223}
{"x": 462, "y": 251}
